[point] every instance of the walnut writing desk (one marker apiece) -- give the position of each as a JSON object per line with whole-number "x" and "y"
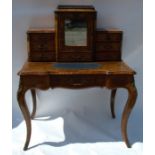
{"x": 55, "y": 61}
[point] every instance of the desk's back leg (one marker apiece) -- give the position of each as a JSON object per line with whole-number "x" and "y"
{"x": 33, "y": 93}
{"x": 112, "y": 102}
{"x": 132, "y": 95}
{"x": 22, "y": 104}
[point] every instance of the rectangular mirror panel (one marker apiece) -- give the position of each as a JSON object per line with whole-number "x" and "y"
{"x": 75, "y": 32}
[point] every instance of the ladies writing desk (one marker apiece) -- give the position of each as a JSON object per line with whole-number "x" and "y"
{"x": 57, "y": 59}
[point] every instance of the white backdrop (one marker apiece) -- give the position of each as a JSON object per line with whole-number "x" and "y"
{"x": 90, "y": 103}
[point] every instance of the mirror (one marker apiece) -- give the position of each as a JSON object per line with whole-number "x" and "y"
{"x": 75, "y": 32}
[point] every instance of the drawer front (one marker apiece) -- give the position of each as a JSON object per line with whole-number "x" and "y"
{"x": 108, "y": 46}
{"x": 108, "y": 56}
{"x": 108, "y": 36}
{"x": 42, "y": 57}
{"x": 36, "y": 81}
{"x": 42, "y": 46}
{"x": 77, "y": 81}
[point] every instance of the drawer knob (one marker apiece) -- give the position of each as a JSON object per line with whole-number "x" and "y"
{"x": 77, "y": 84}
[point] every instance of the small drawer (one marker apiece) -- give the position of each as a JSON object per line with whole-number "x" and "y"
{"x": 42, "y": 56}
{"x": 108, "y": 46}
{"x": 36, "y": 81}
{"x": 108, "y": 36}
{"x": 40, "y": 36}
{"x": 40, "y": 46}
{"x": 108, "y": 56}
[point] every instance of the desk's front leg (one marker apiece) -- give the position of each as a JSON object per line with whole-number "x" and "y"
{"x": 22, "y": 104}
{"x": 112, "y": 102}
{"x": 132, "y": 95}
{"x": 33, "y": 93}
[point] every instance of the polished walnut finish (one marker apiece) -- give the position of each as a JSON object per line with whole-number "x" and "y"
{"x": 46, "y": 47}
{"x": 42, "y": 75}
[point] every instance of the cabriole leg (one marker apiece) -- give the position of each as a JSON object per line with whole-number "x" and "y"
{"x": 132, "y": 95}
{"x": 22, "y": 104}
{"x": 33, "y": 93}
{"x": 112, "y": 102}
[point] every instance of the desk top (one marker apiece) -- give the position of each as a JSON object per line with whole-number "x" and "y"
{"x": 47, "y": 68}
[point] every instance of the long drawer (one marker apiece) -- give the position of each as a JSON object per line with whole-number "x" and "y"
{"x": 77, "y": 81}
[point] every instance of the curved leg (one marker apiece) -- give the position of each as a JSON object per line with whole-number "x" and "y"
{"x": 22, "y": 104}
{"x": 112, "y": 102}
{"x": 132, "y": 95}
{"x": 33, "y": 93}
